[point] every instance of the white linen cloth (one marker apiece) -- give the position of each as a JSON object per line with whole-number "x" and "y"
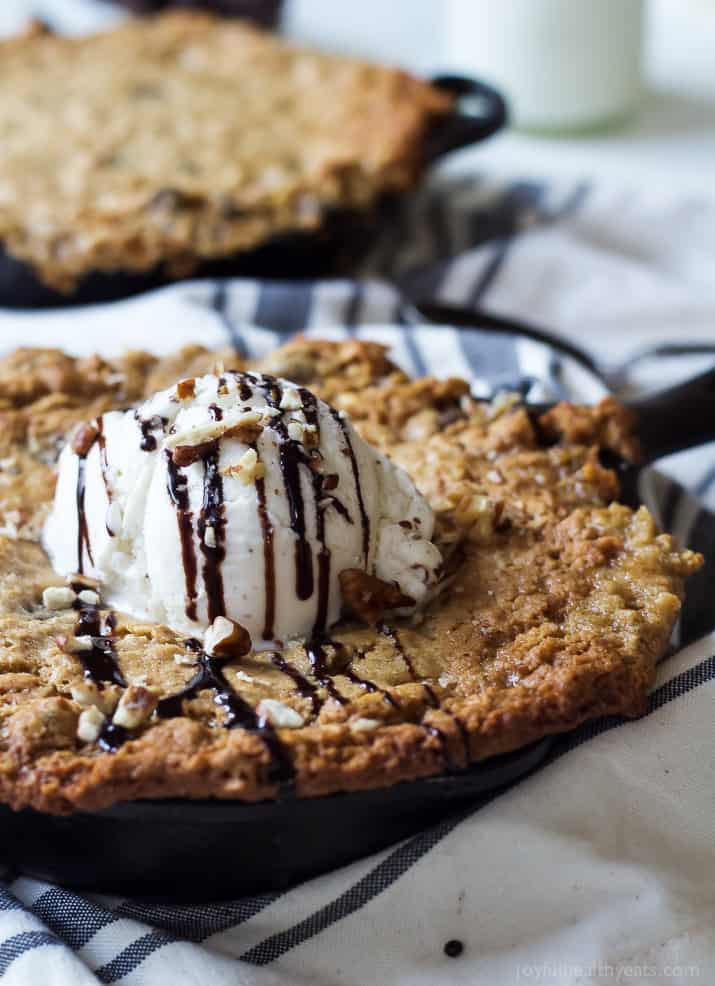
{"x": 599, "y": 867}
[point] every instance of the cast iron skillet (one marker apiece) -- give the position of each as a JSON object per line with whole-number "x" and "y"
{"x": 338, "y": 245}
{"x": 178, "y": 849}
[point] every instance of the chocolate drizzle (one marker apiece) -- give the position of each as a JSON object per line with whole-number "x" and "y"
{"x": 237, "y": 712}
{"x": 393, "y": 636}
{"x": 147, "y": 426}
{"x": 269, "y": 563}
{"x": 83, "y": 540}
{"x": 315, "y": 651}
{"x": 103, "y": 461}
{"x": 304, "y": 687}
{"x": 370, "y": 686}
{"x": 176, "y": 484}
{"x": 310, "y": 410}
{"x": 350, "y": 451}
{"x": 100, "y": 663}
{"x": 101, "y": 666}
{"x": 212, "y": 517}
{"x": 292, "y": 456}
{"x": 104, "y": 466}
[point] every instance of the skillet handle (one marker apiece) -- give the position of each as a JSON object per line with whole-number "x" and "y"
{"x": 479, "y": 112}
{"x": 677, "y": 418}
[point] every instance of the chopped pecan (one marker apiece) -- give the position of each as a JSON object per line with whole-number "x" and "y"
{"x": 185, "y": 455}
{"x": 368, "y": 597}
{"x": 136, "y": 704}
{"x": 248, "y": 469}
{"x": 246, "y": 431}
{"x": 185, "y": 389}
{"x": 226, "y": 638}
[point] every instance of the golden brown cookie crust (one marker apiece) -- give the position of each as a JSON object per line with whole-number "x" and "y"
{"x": 206, "y": 139}
{"x": 559, "y": 600}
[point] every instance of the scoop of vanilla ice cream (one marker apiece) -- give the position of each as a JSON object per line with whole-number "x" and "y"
{"x": 237, "y": 495}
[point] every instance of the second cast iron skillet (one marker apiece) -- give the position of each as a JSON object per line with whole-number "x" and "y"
{"x": 201, "y": 850}
{"x": 336, "y": 247}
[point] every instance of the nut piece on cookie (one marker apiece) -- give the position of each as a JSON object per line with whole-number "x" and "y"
{"x": 363, "y": 725}
{"x": 89, "y": 597}
{"x": 90, "y": 724}
{"x": 226, "y": 638}
{"x": 278, "y": 714}
{"x": 58, "y": 597}
{"x": 136, "y": 704}
{"x": 86, "y": 694}
{"x": 368, "y": 597}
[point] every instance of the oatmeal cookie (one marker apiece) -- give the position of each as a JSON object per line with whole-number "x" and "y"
{"x": 556, "y": 603}
{"x": 206, "y": 139}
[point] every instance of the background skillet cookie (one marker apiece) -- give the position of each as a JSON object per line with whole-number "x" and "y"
{"x": 559, "y": 604}
{"x": 210, "y": 147}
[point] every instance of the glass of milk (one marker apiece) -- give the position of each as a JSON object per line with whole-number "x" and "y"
{"x": 564, "y": 65}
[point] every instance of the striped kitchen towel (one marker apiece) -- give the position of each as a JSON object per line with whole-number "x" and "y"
{"x": 595, "y": 869}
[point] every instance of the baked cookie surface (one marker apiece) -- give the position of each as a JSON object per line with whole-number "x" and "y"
{"x": 556, "y": 603}
{"x": 206, "y": 139}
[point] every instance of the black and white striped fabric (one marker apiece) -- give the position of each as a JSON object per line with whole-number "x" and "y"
{"x": 594, "y": 868}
